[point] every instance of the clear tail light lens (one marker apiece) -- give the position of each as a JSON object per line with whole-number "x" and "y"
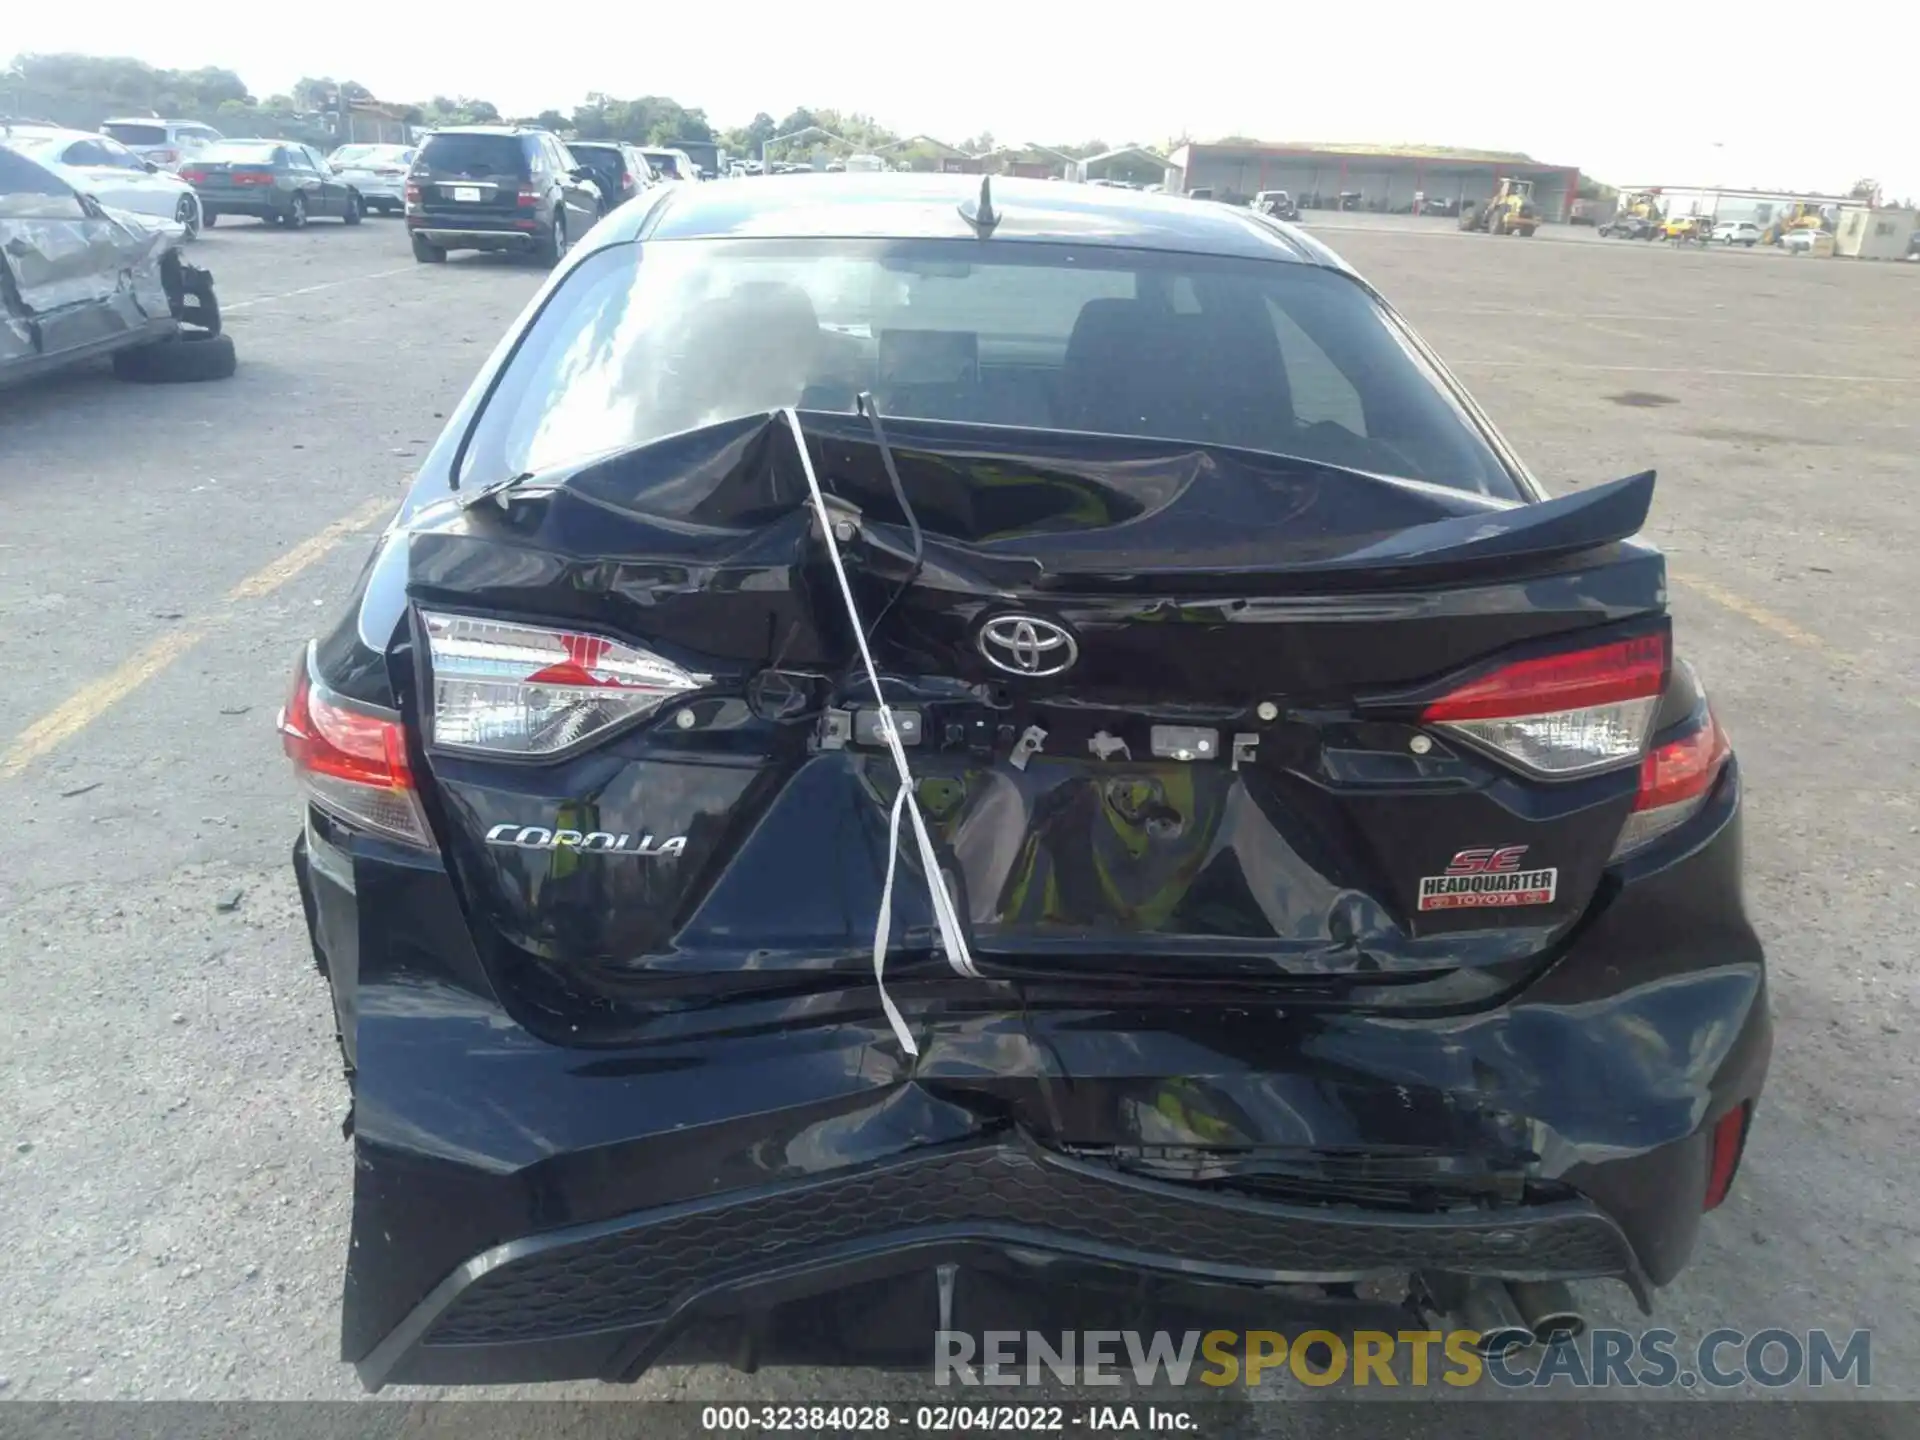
{"x": 1675, "y": 780}
{"x": 352, "y": 761}
{"x": 508, "y": 689}
{"x": 1562, "y": 715}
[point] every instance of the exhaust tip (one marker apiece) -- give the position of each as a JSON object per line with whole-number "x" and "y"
{"x": 1503, "y": 1341}
{"x": 1490, "y": 1313}
{"x": 1548, "y": 1310}
{"x": 1558, "y": 1328}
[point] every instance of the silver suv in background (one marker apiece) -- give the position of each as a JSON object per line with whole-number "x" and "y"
{"x": 167, "y": 143}
{"x": 378, "y": 172}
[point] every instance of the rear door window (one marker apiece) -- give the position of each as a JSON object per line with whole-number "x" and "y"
{"x": 136, "y": 134}
{"x": 477, "y": 156}
{"x": 84, "y": 152}
{"x": 119, "y": 157}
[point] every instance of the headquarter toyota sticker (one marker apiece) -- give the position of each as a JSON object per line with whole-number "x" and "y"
{"x": 1488, "y": 878}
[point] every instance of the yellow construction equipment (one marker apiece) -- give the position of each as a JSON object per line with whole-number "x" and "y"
{"x": 1687, "y": 229}
{"x": 1509, "y": 212}
{"x": 1798, "y": 216}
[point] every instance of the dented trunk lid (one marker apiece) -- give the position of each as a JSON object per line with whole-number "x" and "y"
{"x": 1224, "y": 781}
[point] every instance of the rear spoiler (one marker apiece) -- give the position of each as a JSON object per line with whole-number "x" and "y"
{"x": 1547, "y": 529}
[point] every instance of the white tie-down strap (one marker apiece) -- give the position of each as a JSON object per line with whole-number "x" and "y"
{"x": 952, "y": 940}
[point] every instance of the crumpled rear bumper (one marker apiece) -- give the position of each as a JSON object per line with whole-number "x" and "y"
{"x": 531, "y": 1211}
{"x": 603, "y": 1300}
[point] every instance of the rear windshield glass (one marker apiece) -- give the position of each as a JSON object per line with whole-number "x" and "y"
{"x": 347, "y": 154}
{"x": 474, "y": 155}
{"x": 594, "y": 154}
{"x": 137, "y": 134}
{"x": 665, "y": 164}
{"x": 241, "y": 152}
{"x": 641, "y": 343}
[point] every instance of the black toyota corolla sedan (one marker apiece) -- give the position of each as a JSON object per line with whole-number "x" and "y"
{"x": 921, "y": 758}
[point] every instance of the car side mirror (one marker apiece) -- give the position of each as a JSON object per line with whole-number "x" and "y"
{"x": 150, "y": 167}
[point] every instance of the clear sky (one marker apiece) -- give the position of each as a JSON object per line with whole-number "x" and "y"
{"x": 1789, "y": 94}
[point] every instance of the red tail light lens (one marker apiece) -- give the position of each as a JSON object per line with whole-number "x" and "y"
{"x": 193, "y": 177}
{"x": 351, "y": 761}
{"x": 1729, "y": 1140}
{"x": 529, "y": 198}
{"x": 1675, "y": 780}
{"x": 252, "y": 177}
{"x": 412, "y": 192}
{"x": 1562, "y": 715}
{"x": 626, "y": 179}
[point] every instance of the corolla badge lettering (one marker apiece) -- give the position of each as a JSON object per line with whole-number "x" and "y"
{"x": 541, "y": 837}
{"x": 1027, "y": 645}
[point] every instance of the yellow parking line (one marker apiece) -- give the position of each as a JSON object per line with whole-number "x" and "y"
{"x": 80, "y": 709}
{"x": 94, "y": 699}
{"x": 1758, "y": 615}
{"x": 271, "y": 577}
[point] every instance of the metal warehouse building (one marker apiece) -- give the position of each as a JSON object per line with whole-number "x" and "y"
{"x": 1381, "y": 180}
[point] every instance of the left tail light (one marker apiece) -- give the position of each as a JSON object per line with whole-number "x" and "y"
{"x": 193, "y": 177}
{"x": 412, "y": 193}
{"x": 508, "y": 689}
{"x": 351, "y": 761}
{"x": 1563, "y": 715}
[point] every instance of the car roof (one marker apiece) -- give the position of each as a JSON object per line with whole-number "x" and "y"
{"x": 923, "y": 206}
{"x": 505, "y": 130}
{"x": 49, "y": 132}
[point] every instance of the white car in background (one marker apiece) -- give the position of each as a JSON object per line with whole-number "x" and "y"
{"x": 671, "y": 164}
{"x": 1736, "y": 232}
{"x": 378, "y": 172}
{"x": 1800, "y": 242}
{"x": 168, "y": 143}
{"x": 100, "y": 166}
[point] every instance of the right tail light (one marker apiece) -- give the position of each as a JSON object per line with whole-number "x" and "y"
{"x": 1562, "y": 715}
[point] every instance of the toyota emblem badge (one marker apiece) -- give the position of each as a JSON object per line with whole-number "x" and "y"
{"x": 1026, "y": 645}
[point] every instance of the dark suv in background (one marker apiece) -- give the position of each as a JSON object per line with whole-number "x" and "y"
{"x": 619, "y": 169}
{"x": 498, "y": 187}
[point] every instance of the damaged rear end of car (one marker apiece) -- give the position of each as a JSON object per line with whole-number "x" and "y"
{"x": 836, "y": 857}
{"x": 80, "y": 280}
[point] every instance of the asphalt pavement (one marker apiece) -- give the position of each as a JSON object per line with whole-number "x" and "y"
{"x": 173, "y": 1181}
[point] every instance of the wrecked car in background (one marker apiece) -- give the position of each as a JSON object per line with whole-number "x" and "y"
{"x": 920, "y": 757}
{"x": 79, "y": 280}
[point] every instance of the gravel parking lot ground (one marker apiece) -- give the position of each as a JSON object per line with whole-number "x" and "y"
{"x": 173, "y": 1184}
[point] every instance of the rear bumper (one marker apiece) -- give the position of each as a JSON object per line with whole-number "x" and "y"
{"x": 528, "y": 1211}
{"x": 270, "y": 207}
{"x": 383, "y": 190}
{"x": 472, "y": 232}
{"x": 603, "y": 1301}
